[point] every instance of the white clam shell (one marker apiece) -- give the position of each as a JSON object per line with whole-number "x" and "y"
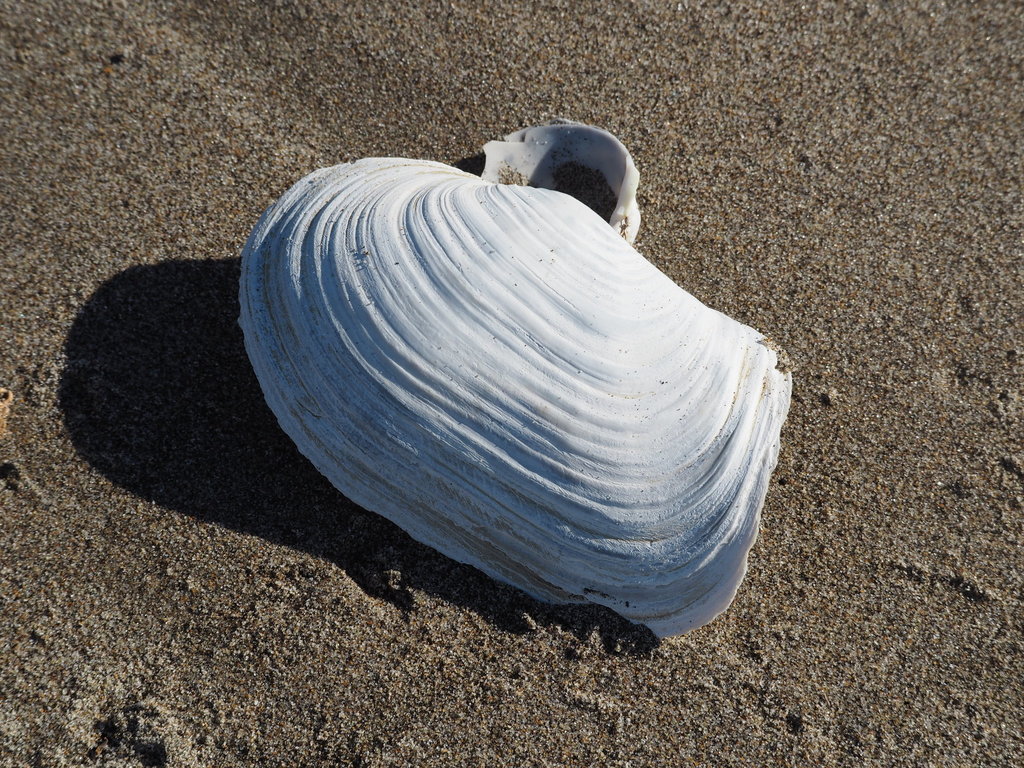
{"x": 498, "y": 372}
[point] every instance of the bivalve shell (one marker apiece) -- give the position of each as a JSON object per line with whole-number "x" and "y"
{"x": 493, "y": 368}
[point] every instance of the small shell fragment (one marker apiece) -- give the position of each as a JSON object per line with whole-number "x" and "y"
{"x": 558, "y": 155}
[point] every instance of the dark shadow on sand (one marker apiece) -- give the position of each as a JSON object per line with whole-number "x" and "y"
{"x": 159, "y": 396}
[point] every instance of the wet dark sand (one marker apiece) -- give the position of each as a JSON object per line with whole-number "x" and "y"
{"x": 179, "y": 587}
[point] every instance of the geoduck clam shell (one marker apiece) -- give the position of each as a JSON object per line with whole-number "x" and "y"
{"x": 497, "y": 371}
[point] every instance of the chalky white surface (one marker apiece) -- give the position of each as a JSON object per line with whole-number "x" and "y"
{"x": 498, "y": 372}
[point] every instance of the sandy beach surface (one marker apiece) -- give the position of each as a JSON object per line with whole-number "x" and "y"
{"x": 179, "y": 587}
